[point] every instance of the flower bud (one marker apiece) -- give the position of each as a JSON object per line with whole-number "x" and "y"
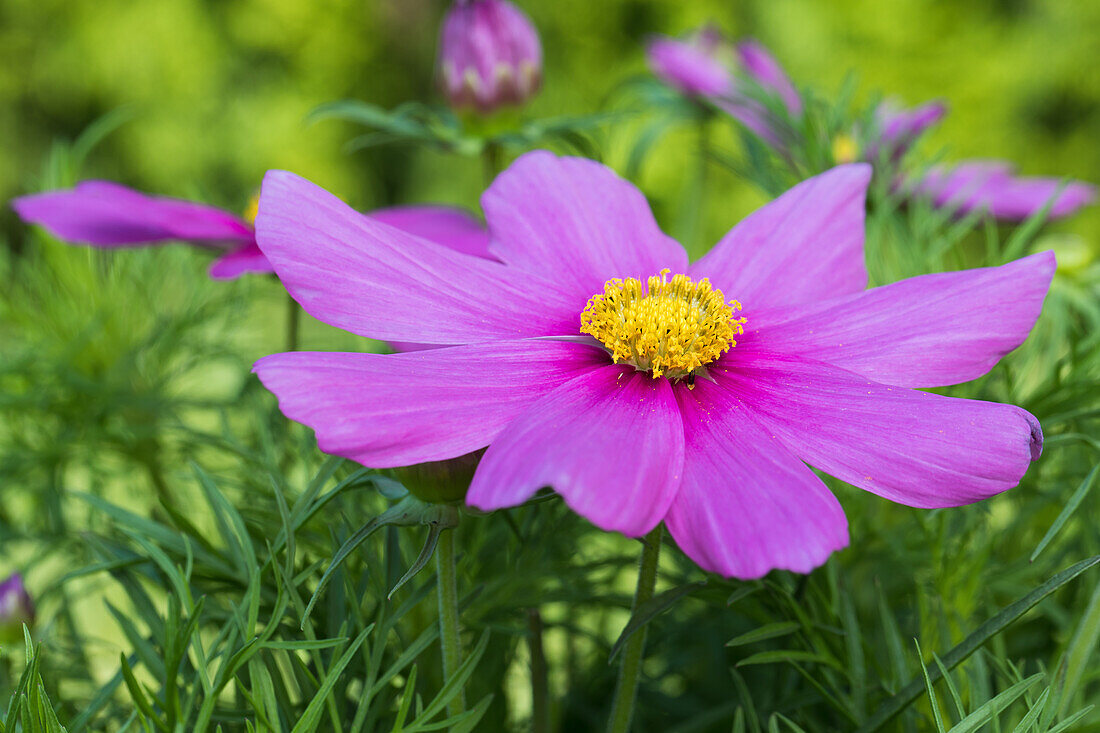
{"x": 440, "y": 482}
{"x": 16, "y": 609}
{"x": 489, "y": 55}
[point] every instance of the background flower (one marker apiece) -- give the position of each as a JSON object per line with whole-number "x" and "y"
{"x": 489, "y": 55}
{"x": 993, "y": 186}
{"x": 108, "y": 215}
{"x": 16, "y": 609}
{"x": 706, "y": 65}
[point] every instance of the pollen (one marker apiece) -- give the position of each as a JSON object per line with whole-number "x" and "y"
{"x": 252, "y": 210}
{"x": 671, "y": 327}
{"x": 845, "y": 149}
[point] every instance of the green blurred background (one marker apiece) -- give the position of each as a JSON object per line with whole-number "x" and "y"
{"x": 218, "y": 89}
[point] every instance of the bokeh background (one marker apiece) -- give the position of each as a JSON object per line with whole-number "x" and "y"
{"x": 218, "y": 89}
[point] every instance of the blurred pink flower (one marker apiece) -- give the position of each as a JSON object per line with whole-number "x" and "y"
{"x": 963, "y": 187}
{"x": 16, "y": 608}
{"x": 642, "y": 397}
{"x": 109, "y": 216}
{"x": 707, "y": 65}
{"x": 897, "y": 128}
{"x": 489, "y": 55}
{"x": 992, "y": 186}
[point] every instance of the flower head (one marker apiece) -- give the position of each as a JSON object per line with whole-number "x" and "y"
{"x": 897, "y": 128}
{"x": 16, "y": 608}
{"x": 705, "y": 64}
{"x": 489, "y": 55}
{"x": 964, "y": 187}
{"x": 971, "y": 185}
{"x": 701, "y": 64}
{"x": 110, "y": 216}
{"x": 594, "y": 359}
{"x": 992, "y": 186}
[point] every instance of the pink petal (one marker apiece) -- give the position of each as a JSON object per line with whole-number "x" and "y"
{"x": 760, "y": 65}
{"x": 806, "y": 245}
{"x": 688, "y": 67}
{"x": 753, "y": 115}
{"x": 386, "y": 410}
{"x": 452, "y": 227}
{"x": 1022, "y": 196}
{"x": 747, "y": 505}
{"x": 915, "y": 448}
{"x": 359, "y": 274}
{"x": 991, "y": 186}
{"x": 576, "y": 221}
{"x": 899, "y": 128}
{"x": 610, "y": 442}
{"x": 239, "y": 262}
{"x": 109, "y": 215}
{"x": 926, "y": 331}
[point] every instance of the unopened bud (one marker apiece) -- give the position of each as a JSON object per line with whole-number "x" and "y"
{"x": 489, "y": 55}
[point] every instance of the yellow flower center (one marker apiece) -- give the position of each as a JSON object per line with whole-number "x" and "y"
{"x": 671, "y": 327}
{"x": 845, "y": 149}
{"x": 252, "y": 209}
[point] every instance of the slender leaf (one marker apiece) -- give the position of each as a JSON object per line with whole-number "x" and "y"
{"x": 767, "y": 631}
{"x": 996, "y": 624}
{"x": 649, "y": 610}
{"x": 1067, "y": 511}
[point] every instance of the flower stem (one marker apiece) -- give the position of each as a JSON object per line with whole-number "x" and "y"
{"x": 448, "y": 615}
{"x": 690, "y": 222}
{"x": 622, "y": 708}
{"x": 540, "y": 686}
{"x": 490, "y": 158}
{"x": 293, "y": 313}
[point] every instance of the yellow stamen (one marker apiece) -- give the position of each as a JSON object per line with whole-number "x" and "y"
{"x": 252, "y": 209}
{"x": 845, "y": 149}
{"x": 672, "y": 328}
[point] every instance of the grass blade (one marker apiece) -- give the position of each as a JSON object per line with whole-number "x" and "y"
{"x": 982, "y": 714}
{"x": 1067, "y": 511}
{"x": 767, "y": 631}
{"x": 1000, "y": 621}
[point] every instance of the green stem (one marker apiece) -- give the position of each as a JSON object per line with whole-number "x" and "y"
{"x": 691, "y": 215}
{"x": 490, "y": 157}
{"x": 540, "y": 685}
{"x": 622, "y": 708}
{"x": 448, "y": 615}
{"x": 293, "y": 314}
{"x": 152, "y": 459}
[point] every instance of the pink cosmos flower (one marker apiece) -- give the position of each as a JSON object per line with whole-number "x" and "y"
{"x": 489, "y": 55}
{"x": 993, "y": 186}
{"x": 897, "y": 128}
{"x": 594, "y": 359}
{"x": 108, "y": 215}
{"x": 963, "y": 187}
{"x": 706, "y": 64}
